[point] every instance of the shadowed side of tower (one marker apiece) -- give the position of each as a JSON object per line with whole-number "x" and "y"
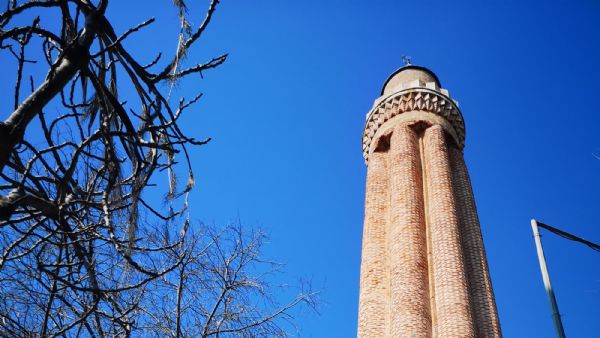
{"x": 423, "y": 269}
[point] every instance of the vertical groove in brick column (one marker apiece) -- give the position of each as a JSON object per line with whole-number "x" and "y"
{"x": 452, "y": 305}
{"x": 482, "y": 296}
{"x": 410, "y": 314}
{"x": 373, "y": 315}
{"x": 424, "y": 171}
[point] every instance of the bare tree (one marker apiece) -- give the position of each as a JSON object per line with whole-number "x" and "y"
{"x": 223, "y": 287}
{"x": 86, "y": 250}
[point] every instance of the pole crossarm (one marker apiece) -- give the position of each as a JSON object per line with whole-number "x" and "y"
{"x": 569, "y": 236}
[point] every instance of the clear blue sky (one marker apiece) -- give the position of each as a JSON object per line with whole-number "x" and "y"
{"x": 287, "y": 109}
{"x": 286, "y": 114}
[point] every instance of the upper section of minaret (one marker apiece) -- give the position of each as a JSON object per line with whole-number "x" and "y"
{"x": 411, "y": 94}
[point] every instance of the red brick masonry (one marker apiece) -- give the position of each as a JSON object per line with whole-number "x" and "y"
{"x": 423, "y": 271}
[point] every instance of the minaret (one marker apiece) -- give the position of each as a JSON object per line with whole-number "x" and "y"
{"x": 423, "y": 272}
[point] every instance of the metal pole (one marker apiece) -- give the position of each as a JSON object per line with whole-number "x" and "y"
{"x": 560, "y": 332}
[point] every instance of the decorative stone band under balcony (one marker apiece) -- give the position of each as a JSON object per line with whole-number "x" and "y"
{"x": 415, "y": 103}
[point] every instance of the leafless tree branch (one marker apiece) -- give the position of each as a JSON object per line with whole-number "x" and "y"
{"x": 86, "y": 247}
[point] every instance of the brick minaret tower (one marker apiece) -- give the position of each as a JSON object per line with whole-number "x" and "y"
{"x": 423, "y": 271}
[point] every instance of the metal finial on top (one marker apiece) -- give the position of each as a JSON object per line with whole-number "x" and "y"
{"x": 406, "y": 60}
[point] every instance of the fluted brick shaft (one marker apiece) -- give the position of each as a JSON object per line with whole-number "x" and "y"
{"x": 410, "y": 314}
{"x": 423, "y": 271}
{"x": 374, "y": 275}
{"x": 481, "y": 293}
{"x": 451, "y": 303}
